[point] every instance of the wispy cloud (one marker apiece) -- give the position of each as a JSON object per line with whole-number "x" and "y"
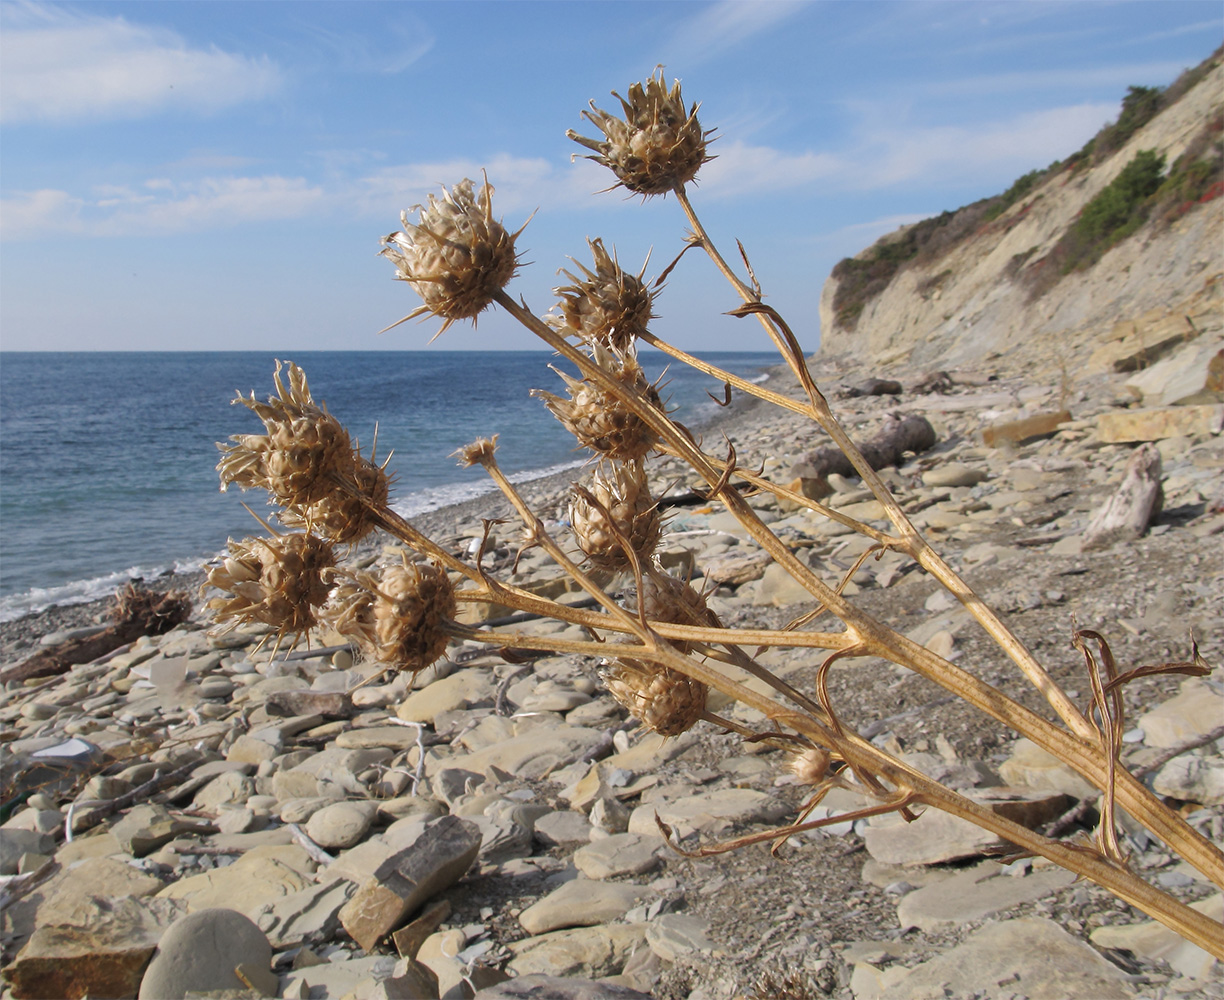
{"x": 403, "y": 41}
{"x": 1113, "y": 77}
{"x": 739, "y": 168}
{"x": 883, "y": 153}
{"x": 161, "y": 206}
{"x": 522, "y": 184}
{"x": 726, "y": 24}
{"x": 887, "y": 155}
{"x": 158, "y": 207}
{"x": 57, "y": 64}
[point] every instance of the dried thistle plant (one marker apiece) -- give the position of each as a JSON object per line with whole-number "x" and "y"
{"x": 664, "y": 649}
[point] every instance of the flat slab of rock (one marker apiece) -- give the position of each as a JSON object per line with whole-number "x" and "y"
{"x": 673, "y": 936}
{"x": 975, "y": 894}
{"x": 310, "y": 914}
{"x": 1195, "y": 711}
{"x": 407, "y": 879}
{"x": 539, "y": 987}
{"x": 203, "y": 951}
{"x": 619, "y": 854}
{"x": 728, "y": 808}
{"x": 246, "y": 885}
{"x": 1119, "y": 426}
{"x": 1030, "y": 957}
{"x": 1030, "y": 766}
{"x": 580, "y": 902}
{"x": 586, "y": 951}
{"x": 1153, "y": 940}
{"x": 937, "y": 837}
{"x": 534, "y": 754}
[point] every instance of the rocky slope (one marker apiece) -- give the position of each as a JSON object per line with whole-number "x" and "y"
{"x": 975, "y": 300}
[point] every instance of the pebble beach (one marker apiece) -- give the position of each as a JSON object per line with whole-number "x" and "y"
{"x": 193, "y": 815}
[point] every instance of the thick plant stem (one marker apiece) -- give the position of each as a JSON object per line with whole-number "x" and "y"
{"x": 876, "y": 639}
{"x": 820, "y": 412}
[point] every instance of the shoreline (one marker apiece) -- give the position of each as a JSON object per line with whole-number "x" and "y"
{"x": 19, "y": 637}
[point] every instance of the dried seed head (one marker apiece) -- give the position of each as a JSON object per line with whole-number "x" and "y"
{"x": 600, "y": 419}
{"x": 657, "y": 146}
{"x": 278, "y": 581}
{"x": 341, "y": 516}
{"x": 409, "y": 610}
{"x": 605, "y": 306}
{"x": 810, "y": 766}
{"x": 478, "y": 452}
{"x": 616, "y": 504}
{"x": 457, "y": 257}
{"x": 303, "y": 453}
{"x": 663, "y": 700}
{"x": 669, "y": 599}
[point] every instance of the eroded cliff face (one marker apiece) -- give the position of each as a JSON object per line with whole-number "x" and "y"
{"x": 973, "y": 304}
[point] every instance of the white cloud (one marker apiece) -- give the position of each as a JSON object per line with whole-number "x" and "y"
{"x": 893, "y": 155}
{"x": 740, "y": 169}
{"x": 884, "y": 154}
{"x": 57, "y": 64}
{"x": 521, "y": 184}
{"x": 158, "y": 207}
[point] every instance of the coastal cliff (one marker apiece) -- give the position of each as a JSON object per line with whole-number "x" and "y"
{"x": 1078, "y": 264}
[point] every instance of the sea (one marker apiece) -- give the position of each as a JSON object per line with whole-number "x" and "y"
{"x": 108, "y": 459}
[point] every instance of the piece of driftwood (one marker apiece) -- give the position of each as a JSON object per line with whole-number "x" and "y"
{"x": 1136, "y": 503}
{"x": 899, "y": 435}
{"x": 873, "y": 387}
{"x": 136, "y": 612}
{"x": 939, "y": 382}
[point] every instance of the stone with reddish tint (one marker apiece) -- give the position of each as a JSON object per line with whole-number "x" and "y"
{"x": 107, "y": 958}
{"x": 409, "y": 878}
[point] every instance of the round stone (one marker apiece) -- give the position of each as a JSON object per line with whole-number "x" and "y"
{"x": 341, "y": 825}
{"x": 200, "y": 952}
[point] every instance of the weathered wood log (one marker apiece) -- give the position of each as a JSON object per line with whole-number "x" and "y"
{"x": 898, "y": 436}
{"x": 136, "y": 612}
{"x": 873, "y": 387}
{"x": 1137, "y": 502}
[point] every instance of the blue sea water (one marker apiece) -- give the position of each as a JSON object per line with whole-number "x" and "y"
{"x": 107, "y": 460}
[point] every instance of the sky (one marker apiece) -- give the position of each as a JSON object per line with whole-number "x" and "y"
{"x": 218, "y": 176}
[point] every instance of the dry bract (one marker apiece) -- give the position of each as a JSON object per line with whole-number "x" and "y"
{"x": 618, "y": 510}
{"x": 303, "y": 453}
{"x": 278, "y": 581}
{"x": 605, "y": 306}
{"x": 341, "y": 516}
{"x": 456, "y": 257}
{"x": 665, "y": 701}
{"x": 657, "y": 147}
{"x": 412, "y": 605}
{"x": 600, "y": 418}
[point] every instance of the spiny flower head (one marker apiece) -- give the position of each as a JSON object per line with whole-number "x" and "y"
{"x": 601, "y": 419}
{"x": 395, "y": 615}
{"x": 665, "y": 701}
{"x": 456, "y": 256}
{"x": 666, "y": 598}
{"x": 346, "y": 517}
{"x": 278, "y": 581}
{"x": 303, "y": 452}
{"x": 617, "y": 504}
{"x": 605, "y": 306}
{"x": 657, "y": 146}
